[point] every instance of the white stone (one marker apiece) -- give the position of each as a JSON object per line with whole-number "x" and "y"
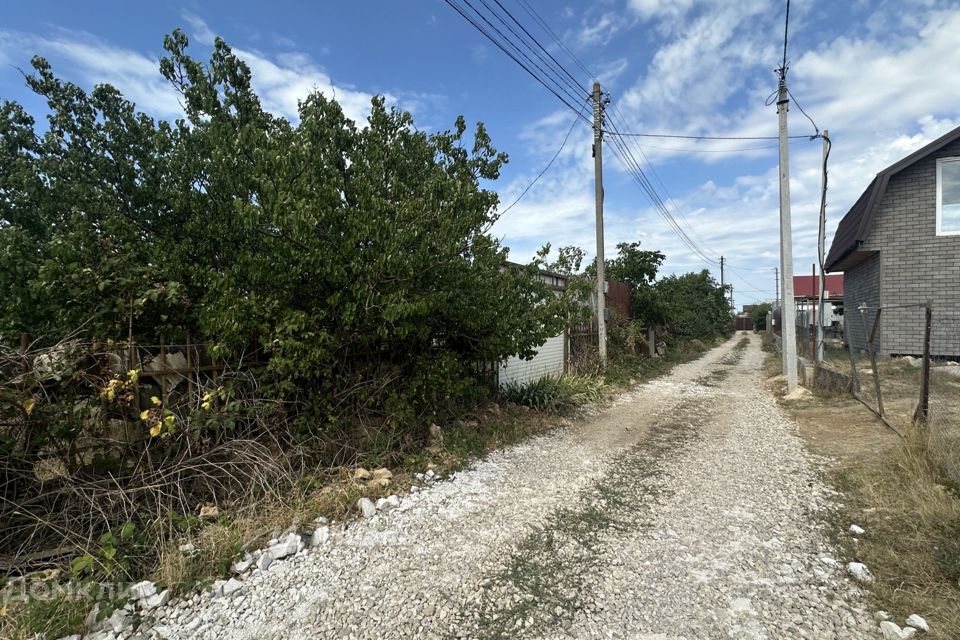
{"x": 119, "y": 621}
{"x": 243, "y": 564}
{"x": 366, "y": 507}
{"x": 859, "y": 572}
{"x": 881, "y": 615}
{"x": 216, "y": 590}
{"x": 830, "y": 562}
{"x": 142, "y": 590}
{"x": 320, "y": 521}
{"x": 91, "y": 619}
{"x": 264, "y": 561}
{"x": 286, "y": 546}
{"x": 156, "y": 600}
{"x": 855, "y": 530}
{"x": 393, "y": 501}
{"x": 320, "y": 536}
{"x": 917, "y": 622}
{"x": 232, "y": 586}
{"x": 383, "y": 505}
{"x": 891, "y": 631}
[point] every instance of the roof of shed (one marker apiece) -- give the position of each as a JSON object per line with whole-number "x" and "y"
{"x": 854, "y": 226}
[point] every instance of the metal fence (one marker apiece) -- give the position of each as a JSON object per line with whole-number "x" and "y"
{"x": 903, "y": 362}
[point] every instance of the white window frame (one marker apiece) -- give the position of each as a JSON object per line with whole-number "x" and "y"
{"x": 940, "y": 163}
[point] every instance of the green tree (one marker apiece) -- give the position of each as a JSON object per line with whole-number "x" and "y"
{"x": 638, "y": 268}
{"x": 358, "y": 258}
{"x": 759, "y": 315}
{"x": 695, "y": 305}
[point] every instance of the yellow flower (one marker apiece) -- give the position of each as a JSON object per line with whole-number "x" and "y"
{"x": 206, "y": 406}
{"x": 145, "y": 414}
{"x": 155, "y": 429}
{"x": 133, "y": 374}
{"x": 207, "y": 396}
{"x": 155, "y": 400}
{"x": 169, "y": 420}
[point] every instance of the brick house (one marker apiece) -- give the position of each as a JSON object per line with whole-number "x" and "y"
{"x": 900, "y": 245}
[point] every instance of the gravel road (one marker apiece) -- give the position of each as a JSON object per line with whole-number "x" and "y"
{"x": 687, "y": 509}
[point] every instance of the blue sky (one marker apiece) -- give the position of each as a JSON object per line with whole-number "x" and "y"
{"x": 881, "y": 75}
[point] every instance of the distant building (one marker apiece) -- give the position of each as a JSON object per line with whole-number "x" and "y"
{"x": 899, "y": 245}
{"x": 806, "y": 293}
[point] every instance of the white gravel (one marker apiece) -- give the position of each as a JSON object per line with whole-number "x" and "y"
{"x": 688, "y": 509}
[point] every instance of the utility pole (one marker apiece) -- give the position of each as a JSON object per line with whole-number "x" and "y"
{"x": 722, "y": 287}
{"x": 776, "y": 277}
{"x": 789, "y": 319}
{"x": 598, "y": 192}
{"x": 820, "y": 243}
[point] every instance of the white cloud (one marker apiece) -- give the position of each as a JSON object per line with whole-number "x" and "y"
{"x": 599, "y": 31}
{"x": 648, "y": 9}
{"x": 280, "y": 80}
{"x": 882, "y": 96}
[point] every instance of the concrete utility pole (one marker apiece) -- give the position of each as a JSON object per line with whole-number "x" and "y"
{"x": 598, "y": 179}
{"x": 776, "y": 277}
{"x": 722, "y": 287}
{"x": 820, "y": 243}
{"x": 788, "y": 315}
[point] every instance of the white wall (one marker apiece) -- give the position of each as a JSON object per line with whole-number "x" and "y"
{"x": 549, "y": 359}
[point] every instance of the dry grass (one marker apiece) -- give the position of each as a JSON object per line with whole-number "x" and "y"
{"x": 897, "y": 491}
{"x": 912, "y": 543}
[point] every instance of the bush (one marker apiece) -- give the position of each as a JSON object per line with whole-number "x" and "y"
{"x": 554, "y": 392}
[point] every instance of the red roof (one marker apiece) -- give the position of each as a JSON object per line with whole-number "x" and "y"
{"x": 809, "y": 287}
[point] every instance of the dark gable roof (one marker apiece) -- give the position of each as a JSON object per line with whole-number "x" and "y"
{"x": 854, "y": 227}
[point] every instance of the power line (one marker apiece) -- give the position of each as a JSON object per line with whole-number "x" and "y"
{"x": 546, "y": 27}
{"x": 632, "y": 167}
{"x": 537, "y": 42}
{"x": 546, "y": 168}
{"x": 687, "y": 137}
{"x": 666, "y": 191}
{"x": 786, "y": 29}
{"x": 503, "y": 47}
{"x": 570, "y": 84}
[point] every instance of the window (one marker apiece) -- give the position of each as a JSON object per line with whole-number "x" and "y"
{"x": 948, "y": 196}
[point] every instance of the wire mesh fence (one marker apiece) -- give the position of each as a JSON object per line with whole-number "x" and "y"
{"x": 903, "y": 362}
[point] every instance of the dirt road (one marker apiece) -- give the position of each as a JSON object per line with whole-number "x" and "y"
{"x": 688, "y": 509}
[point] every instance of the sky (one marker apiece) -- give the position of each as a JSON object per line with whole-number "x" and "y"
{"x": 880, "y": 75}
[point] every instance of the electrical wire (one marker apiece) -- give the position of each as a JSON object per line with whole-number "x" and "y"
{"x": 546, "y": 27}
{"x": 619, "y": 114}
{"x": 786, "y": 29}
{"x": 570, "y": 84}
{"x": 574, "y": 91}
{"x": 630, "y": 134}
{"x": 815, "y": 127}
{"x": 546, "y": 168}
{"x": 503, "y": 47}
{"x": 629, "y": 162}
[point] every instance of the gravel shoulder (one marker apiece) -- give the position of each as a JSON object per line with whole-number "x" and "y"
{"x": 686, "y": 509}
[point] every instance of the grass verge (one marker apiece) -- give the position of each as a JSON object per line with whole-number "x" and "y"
{"x": 897, "y": 491}
{"x": 207, "y": 550}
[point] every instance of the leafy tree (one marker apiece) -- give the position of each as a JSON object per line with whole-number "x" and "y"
{"x": 695, "y": 305}
{"x": 357, "y": 258}
{"x": 638, "y": 268}
{"x": 759, "y": 315}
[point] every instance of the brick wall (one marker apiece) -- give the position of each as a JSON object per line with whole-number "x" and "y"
{"x": 916, "y": 265}
{"x": 861, "y": 285}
